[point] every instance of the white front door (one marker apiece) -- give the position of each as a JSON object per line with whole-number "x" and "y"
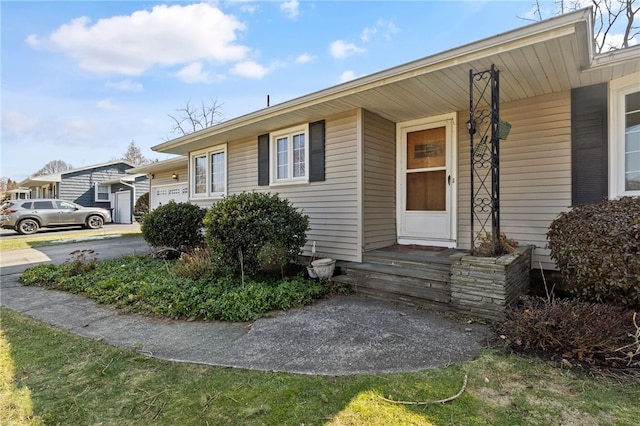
{"x": 426, "y": 181}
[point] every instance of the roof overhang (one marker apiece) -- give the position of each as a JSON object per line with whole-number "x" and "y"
{"x": 546, "y": 57}
{"x": 129, "y": 179}
{"x": 41, "y": 180}
{"x": 161, "y": 166}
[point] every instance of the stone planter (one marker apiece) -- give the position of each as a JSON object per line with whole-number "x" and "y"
{"x": 324, "y": 268}
{"x": 486, "y": 286}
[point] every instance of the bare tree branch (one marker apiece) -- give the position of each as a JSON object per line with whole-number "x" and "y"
{"x": 608, "y": 17}
{"x": 55, "y": 166}
{"x": 191, "y": 118}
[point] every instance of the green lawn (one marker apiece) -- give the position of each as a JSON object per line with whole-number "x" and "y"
{"x": 49, "y": 376}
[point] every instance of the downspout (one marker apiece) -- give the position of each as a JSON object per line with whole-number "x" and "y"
{"x": 134, "y": 197}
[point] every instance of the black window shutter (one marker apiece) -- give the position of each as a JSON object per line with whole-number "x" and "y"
{"x": 589, "y": 144}
{"x": 316, "y": 151}
{"x": 263, "y": 160}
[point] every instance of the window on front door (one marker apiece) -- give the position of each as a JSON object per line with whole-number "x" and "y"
{"x": 426, "y": 170}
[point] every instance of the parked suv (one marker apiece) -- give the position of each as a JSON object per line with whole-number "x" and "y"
{"x": 27, "y": 216}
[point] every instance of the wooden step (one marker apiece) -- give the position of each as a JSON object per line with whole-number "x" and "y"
{"x": 430, "y": 298}
{"x": 423, "y": 272}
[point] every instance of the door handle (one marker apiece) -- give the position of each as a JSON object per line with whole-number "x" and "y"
{"x": 449, "y": 179}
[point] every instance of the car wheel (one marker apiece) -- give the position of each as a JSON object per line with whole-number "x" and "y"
{"x": 28, "y": 226}
{"x": 94, "y": 222}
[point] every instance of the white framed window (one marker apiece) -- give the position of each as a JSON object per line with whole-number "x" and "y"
{"x": 289, "y": 156}
{"x": 209, "y": 173}
{"x": 624, "y": 138}
{"x": 102, "y": 191}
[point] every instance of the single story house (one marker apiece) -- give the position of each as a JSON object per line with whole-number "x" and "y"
{"x": 168, "y": 180}
{"x": 18, "y": 194}
{"x": 350, "y": 155}
{"x": 106, "y": 185}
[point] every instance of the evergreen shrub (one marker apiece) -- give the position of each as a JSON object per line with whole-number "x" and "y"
{"x": 243, "y": 229}
{"x": 174, "y": 225}
{"x": 597, "y": 249}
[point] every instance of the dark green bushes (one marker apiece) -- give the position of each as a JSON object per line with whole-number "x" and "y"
{"x": 156, "y": 287}
{"x": 174, "y": 225}
{"x": 249, "y": 231}
{"x": 597, "y": 249}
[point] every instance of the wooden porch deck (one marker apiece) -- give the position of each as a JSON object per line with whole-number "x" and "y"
{"x": 408, "y": 274}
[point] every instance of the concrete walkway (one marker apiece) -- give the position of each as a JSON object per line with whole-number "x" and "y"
{"x": 337, "y": 336}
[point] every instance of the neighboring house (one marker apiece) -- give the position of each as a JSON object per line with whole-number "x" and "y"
{"x": 340, "y": 154}
{"x": 18, "y": 194}
{"x": 168, "y": 181}
{"x": 106, "y": 185}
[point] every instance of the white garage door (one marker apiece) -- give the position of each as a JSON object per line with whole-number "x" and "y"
{"x": 162, "y": 194}
{"x": 122, "y": 211}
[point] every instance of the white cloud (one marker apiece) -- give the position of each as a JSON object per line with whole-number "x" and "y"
{"x": 250, "y": 69}
{"x": 367, "y": 33}
{"x": 108, "y": 105}
{"x": 14, "y": 122}
{"x": 340, "y": 49}
{"x": 383, "y": 28}
{"x": 194, "y": 73}
{"x": 249, "y": 8}
{"x": 125, "y": 86}
{"x": 291, "y": 8}
{"x": 305, "y": 58}
{"x": 77, "y": 128}
{"x": 164, "y": 36}
{"x": 347, "y": 76}
{"x": 34, "y": 41}
{"x": 614, "y": 41}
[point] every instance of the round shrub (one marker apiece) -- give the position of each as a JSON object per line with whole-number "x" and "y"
{"x": 174, "y": 225}
{"x": 244, "y": 227}
{"x": 597, "y": 249}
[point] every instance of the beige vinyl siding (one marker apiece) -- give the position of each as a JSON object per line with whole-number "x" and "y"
{"x": 535, "y": 171}
{"x": 332, "y": 205}
{"x": 379, "y": 185}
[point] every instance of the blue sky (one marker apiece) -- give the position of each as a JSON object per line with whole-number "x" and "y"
{"x": 81, "y": 80}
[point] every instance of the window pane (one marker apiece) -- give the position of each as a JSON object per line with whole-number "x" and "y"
{"x": 40, "y": 205}
{"x": 66, "y": 205}
{"x": 102, "y": 192}
{"x": 632, "y": 181}
{"x": 217, "y": 172}
{"x": 632, "y": 102}
{"x": 298, "y": 156}
{"x": 426, "y": 191}
{"x": 426, "y": 148}
{"x": 200, "y": 174}
{"x": 282, "y": 158}
{"x": 632, "y": 142}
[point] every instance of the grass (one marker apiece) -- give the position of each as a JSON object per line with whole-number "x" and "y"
{"x": 37, "y": 241}
{"x": 50, "y": 376}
